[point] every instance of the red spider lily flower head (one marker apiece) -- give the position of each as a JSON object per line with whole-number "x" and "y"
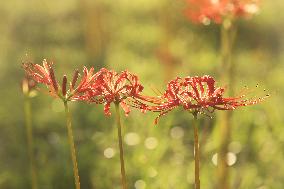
{"x": 205, "y": 11}
{"x": 45, "y": 74}
{"x": 198, "y": 95}
{"x": 113, "y": 87}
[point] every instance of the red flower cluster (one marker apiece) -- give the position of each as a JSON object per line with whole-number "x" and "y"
{"x": 195, "y": 94}
{"x": 103, "y": 87}
{"x": 198, "y": 95}
{"x": 45, "y": 74}
{"x": 205, "y": 11}
{"x": 113, "y": 87}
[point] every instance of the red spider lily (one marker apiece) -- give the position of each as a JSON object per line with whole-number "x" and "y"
{"x": 198, "y": 95}
{"x": 204, "y": 11}
{"x": 112, "y": 87}
{"x": 45, "y": 74}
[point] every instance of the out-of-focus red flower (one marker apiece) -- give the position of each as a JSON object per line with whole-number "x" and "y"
{"x": 205, "y": 11}
{"x": 28, "y": 84}
{"x": 45, "y": 74}
{"x": 198, "y": 95}
{"x": 112, "y": 87}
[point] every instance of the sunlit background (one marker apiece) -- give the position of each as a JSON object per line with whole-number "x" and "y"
{"x": 153, "y": 39}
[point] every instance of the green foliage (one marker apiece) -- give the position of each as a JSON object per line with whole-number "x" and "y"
{"x": 130, "y": 35}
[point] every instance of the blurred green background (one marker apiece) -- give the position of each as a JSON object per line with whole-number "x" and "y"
{"x": 154, "y": 40}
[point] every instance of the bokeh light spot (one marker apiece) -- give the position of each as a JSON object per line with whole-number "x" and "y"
{"x": 251, "y": 8}
{"x": 109, "y": 153}
{"x": 151, "y": 143}
{"x": 140, "y": 184}
{"x": 206, "y": 21}
{"x": 215, "y": 159}
{"x": 214, "y": 1}
{"x": 177, "y": 132}
{"x": 231, "y": 159}
{"x": 132, "y": 139}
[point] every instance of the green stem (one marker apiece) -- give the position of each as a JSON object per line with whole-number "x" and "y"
{"x": 227, "y": 40}
{"x": 122, "y": 166}
{"x": 72, "y": 146}
{"x": 196, "y": 153}
{"x": 225, "y": 131}
{"x": 228, "y": 35}
{"x": 28, "y": 119}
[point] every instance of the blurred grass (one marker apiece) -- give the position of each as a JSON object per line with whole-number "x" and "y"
{"x": 155, "y": 41}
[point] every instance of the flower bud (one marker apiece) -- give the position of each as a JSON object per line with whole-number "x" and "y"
{"x": 53, "y": 80}
{"x": 64, "y": 82}
{"x": 75, "y": 78}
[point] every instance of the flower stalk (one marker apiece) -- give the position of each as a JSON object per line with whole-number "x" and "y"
{"x": 29, "y": 133}
{"x": 72, "y": 145}
{"x": 196, "y": 152}
{"x": 228, "y": 33}
{"x": 121, "y": 155}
